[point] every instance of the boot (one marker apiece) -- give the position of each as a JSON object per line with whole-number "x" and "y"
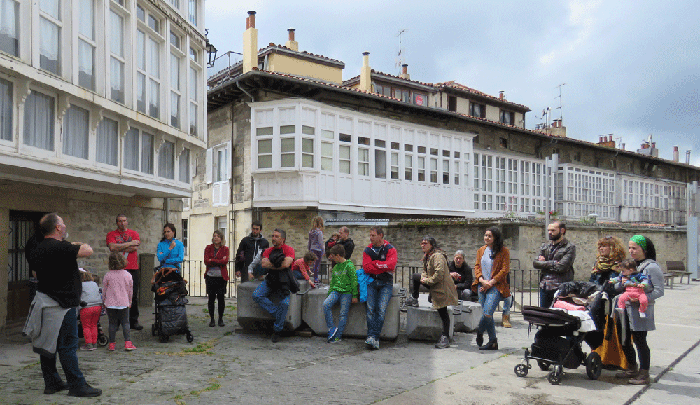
{"x": 631, "y": 373}
{"x": 642, "y": 378}
{"x": 506, "y": 321}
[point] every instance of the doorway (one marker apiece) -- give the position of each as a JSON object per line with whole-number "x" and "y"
{"x": 20, "y": 283}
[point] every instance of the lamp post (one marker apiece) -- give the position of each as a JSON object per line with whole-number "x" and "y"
{"x": 211, "y": 50}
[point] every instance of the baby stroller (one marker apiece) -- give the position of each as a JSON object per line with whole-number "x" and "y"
{"x": 559, "y": 338}
{"x": 101, "y": 337}
{"x": 170, "y": 306}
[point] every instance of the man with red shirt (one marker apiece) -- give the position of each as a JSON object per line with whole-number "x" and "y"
{"x": 277, "y": 261}
{"x": 378, "y": 261}
{"x": 126, "y": 241}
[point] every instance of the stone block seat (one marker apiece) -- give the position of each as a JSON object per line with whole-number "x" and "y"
{"x": 465, "y": 316}
{"x": 252, "y": 317}
{"x": 312, "y": 314}
{"x": 424, "y": 323}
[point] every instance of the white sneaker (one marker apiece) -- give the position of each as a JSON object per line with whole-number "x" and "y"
{"x": 642, "y": 315}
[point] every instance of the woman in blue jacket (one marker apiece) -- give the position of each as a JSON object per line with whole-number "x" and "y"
{"x": 170, "y": 252}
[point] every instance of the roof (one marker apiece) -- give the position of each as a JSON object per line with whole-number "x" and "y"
{"x": 465, "y": 89}
{"x": 273, "y": 48}
{"x": 393, "y": 78}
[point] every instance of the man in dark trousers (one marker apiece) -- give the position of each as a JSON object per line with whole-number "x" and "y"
{"x": 52, "y": 322}
{"x": 250, "y": 247}
{"x": 555, "y": 262}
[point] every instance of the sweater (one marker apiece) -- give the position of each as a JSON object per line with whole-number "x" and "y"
{"x": 170, "y": 258}
{"x": 344, "y": 279}
{"x": 315, "y": 240}
{"x": 44, "y": 323}
{"x": 91, "y": 294}
{"x": 117, "y": 289}
{"x": 303, "y": 268}
{"x": 499, "y": 271}
{"x": 214, "y": 258}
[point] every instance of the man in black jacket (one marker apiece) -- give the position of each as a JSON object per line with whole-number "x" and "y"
{"x": 556, "y": 262}
{"x": 249, "y": 247}
{"x": 346, "y": 241}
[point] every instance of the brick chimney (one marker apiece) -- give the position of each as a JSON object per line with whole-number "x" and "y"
{"x": 404, "y": 72}
{"x": 291, "y": 42}
{"x": 675, "y": 154}
{"x": 365, "y": 74}
{"x": 687, "y": 157}
{"x": 501, "y": 95}
{"x": 250, "y": 44}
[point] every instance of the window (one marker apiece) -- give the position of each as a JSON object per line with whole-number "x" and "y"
{"x": 327, "y": 138}
{"x": 9, "y": 27}
{"x": 344, "y": 159}
{"x": 477, "y": 110}
{"x": 108, "y": 142}
{"x": 221, "y": 224}
{"x": 421, "y": 168}
{"x": 221, "y": 165}
{"x": 380, "y": 157}
{"x": 507, "y": 117}
{"x": 39, "y": 121}
{"x": 76, "y": 128}
{"x": 264, "y": 153}
{"x": 184, "y": 235}
{"x": 86, "y": 45}
{"x": 445, "y": 171}
{"x": 148, "y": 40}
{"x": 451, "y": 103}
{"x": 433, "y": 170}
{"x": 307, "y": 146}
{"x": 130, "y": 157}
{"x": 408, "y": 167}
{"x": 194, "y": 104}
{"x": 503, "y": 143}
{"x": 184, "y": 166}
{"x": 175, "y": 3}
{"x": 50, "y": 24}
{"x": 6, "y": 108}
{"x": 192, "y": 14}
{"x": 394, "y": 165}
{"x": 287, "y": 146}
{"x": 147, "y": 153}
{"x": 117, "y": 58}
{"x": 166, "y": 160}
{"x": 363, "y": 162}
{"x": 175, "y": 57}
{"x": 220, "y": 161}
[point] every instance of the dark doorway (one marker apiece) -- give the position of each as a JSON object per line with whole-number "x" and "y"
{"x": 19, "y": 283}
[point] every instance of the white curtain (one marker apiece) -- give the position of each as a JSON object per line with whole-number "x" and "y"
{"x": 147, "y": 153}
{"x": 174, "y": 109}
{"x": 154, "y": 99}
{"x": 116, "y": 33}
{"x": 51, "y": 7}
{"x": 5, "y": 110}
{"x": 86, "y": 62}
{"x": 153, "y": 58}
{"x": 87, "y": 19}
{"x": 193, "y": 12}
{"x": 39, "y": 121}
{"x": 116, "y": 79}
{"x": 166, "y": 160}
{"x": 185, "y": 166}
{"x": 174, "y": 72}
{"x": 107, "y": 142}
{"x": 8, "y": 26}
{"x": 131, "y": 150}
{"x": 76, "y": 124}
{"x": 49, "y": 47}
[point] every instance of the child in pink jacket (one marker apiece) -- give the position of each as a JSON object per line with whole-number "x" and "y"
{"x": 117, "y": 290}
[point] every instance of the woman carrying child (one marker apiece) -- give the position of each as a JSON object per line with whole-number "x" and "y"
{"x": 216, "y": 277}
{"x": 644, "y": 254}
{"x": 90, "y": 314}
{"x": 117, "y": 290}
{"x": 634, "y": 283}
{"x": 343, "y": 288}
{"x": 302, "y": 267}
{"x": 436, "y": 275}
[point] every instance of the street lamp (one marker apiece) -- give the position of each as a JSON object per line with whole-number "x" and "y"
{"x": 211, "y": 50}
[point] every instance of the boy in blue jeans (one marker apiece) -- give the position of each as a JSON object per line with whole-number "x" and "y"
{"x": 343, "y": 288}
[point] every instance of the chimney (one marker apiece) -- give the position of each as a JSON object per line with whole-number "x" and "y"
{"x": 365, "y": 74}
{"x": 687, "y": 157}
{"x": 600, "y": 139}
{"x": 250, "y": 44}
{"x": 404, "y": 72}
{"x": 501, "y": 95}
{"x": 622, "y": 146}
{"x": 675, "y": 154}
{"x": 291, "y": 43}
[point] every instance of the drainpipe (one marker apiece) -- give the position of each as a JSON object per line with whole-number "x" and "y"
{"x": 238, "y": 84}
{"x": 167, "y": 209}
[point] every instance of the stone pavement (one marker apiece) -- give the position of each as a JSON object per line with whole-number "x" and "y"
{"x": 223, "y": 366}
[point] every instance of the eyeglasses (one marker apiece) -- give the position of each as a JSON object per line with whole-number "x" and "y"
{"x": 424, "y": 243}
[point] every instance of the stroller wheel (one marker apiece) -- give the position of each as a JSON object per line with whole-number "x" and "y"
{"x": 555, "y": 375}
{"x": 164, "y": 338}
{"x": 190, "y": 338}
{"x": 154, "y": 331}
{"x": 544, "y": 366}
{"x": 520, "y": 370}
{"x": 102, "y": 340}
{"x": 593, "y": 366}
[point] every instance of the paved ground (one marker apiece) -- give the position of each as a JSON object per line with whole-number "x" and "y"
{"x": 223, "y": 366}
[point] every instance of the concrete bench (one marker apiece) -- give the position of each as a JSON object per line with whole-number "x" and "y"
{"x": 312, "y": 314}
{"x": 252, "y": 317}
{"x": 424, "y": 323}
{"x": 466, "y": 315}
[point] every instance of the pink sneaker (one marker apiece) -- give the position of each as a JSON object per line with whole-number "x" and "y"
{"x": 128, "y": 346}
{"x": 86, "y": 346}
{"x": 111, "y": 347}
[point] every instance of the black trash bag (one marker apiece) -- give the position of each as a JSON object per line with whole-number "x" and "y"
{"x": 173, "y": 316}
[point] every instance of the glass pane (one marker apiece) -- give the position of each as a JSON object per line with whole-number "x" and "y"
{"x": 379, "y": 164}
{"x": 193, "y": 84}
{"x": 147, "y": 153}
{"x": 153, "y": 58}
{"x": 166, "y": 160}
{"x": 117, "y": 80}
{"x": 327, "y": 164}
{"x": 174, "y": 72}
{"x": 327, "y": 149}
{"x": 287, "y": 160}
{"x": 131, "y": 149}
{"x": 141, "y": 92}
{"x": 184, "y": 165}
{"x": 263, "y": 131}
{"x": 76, "y": 126}
{"x": 193, "y": 119}
{"x": 6, "y": 107}
{"x": 305, "y": 129}
{"x": 52, "y": 8}
{"x": 265, "y": 146}
{"x": 193, "y": 55}
{"x": 174, "y": 40}
{"x": 39, "y": 121}
{"x": 116, "y": 34}
{"x": 193, "y": 11}
{"x": 141, "y": 50}
{"x": 307, "y": 161}
{"x": 265, "y": 162}
{"x": 175, "y": 109}
{"x": 87, "y": 19}
{"x": 9, "y": 27}
{"x": 86, "y": 62}
{"x": 153, "y": 22}
{"x": 140, "y": 13}
{"x": 107, "y": 142}
{"x": 327, "y": 134}
{"x": 344, "y": 152}
{"x": 153, "y": 100}
{"x": 344, "y": 167}
{"x": 49, "y": 48}
{"x": 307, "y": 145}
{"x": 287, "y": 145}
{"x": 286, "y": 129}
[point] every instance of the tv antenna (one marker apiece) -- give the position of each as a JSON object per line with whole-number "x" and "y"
{"x": 560, "y": 108}
{"x": 400, "y": 56}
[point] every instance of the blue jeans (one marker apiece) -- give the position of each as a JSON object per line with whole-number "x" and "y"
{"x": 329, "y": 302}
{"x": 378, "y": 296}
{"x": 66, "y": 351}
{"x": 546, "y": 298}
{"x": 260, "y": 296}
{"x": 489, "y": 302}
{"x": 507, "y": 304}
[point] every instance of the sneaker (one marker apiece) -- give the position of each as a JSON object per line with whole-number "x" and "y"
{"x": 443, "y": 343}
{"x": 412, "y": 302}
{"x": 375, "y": 344}
{"x": 642, "y": 315}
{"x": 86, "y": 346}
{"x": 112, "y": 347}
{"x": 331, "y": 334}
{"x": 93, "y": 346}
{"x": 275, "y": 337}
{"x": 85, "y": 391}
{"x": 128, "y": 346}
{"x": 335, "y": 340}
{"x": 368, "y": 341}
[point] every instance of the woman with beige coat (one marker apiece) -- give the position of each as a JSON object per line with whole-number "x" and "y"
{"x": 436, "y": 275}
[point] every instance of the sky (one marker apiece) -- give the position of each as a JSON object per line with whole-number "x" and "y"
{"x": 629, "y": 69}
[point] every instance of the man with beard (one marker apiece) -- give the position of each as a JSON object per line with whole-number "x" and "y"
{"x": 555, "y": 262}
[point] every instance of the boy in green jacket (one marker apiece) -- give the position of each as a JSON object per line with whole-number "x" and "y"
{"x": 343, "y": 288}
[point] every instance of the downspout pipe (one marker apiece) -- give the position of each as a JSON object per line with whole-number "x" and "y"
{"x": 238, "y": 84}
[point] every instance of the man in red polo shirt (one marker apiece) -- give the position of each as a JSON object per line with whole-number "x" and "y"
{"x": 126, "y": 241}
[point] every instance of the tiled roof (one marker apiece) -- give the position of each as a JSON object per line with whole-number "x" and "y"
{"x": 458, "y": 86}
{"x": 272, "y": 47}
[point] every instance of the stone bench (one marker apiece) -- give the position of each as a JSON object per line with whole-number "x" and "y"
{"x": 424, "y": 323}
{"x": 252, "y": 317}
{"x": 466, "y": 315}
{"x": 312, "y": 314}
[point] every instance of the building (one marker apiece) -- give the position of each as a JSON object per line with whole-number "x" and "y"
{"x": 102, "y": 111}
{"x": 295, "y": 145}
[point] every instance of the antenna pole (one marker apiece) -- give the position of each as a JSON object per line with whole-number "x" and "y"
{"x": 561, "y": 108}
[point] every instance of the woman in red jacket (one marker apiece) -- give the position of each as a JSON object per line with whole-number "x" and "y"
{"x": 216, "y": 275}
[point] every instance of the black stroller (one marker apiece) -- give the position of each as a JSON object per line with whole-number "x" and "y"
{"x": 559, "y": 338}
{"x": 170, "y": 306}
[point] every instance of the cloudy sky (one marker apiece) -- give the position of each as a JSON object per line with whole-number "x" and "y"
{"x": 631, "y": 68}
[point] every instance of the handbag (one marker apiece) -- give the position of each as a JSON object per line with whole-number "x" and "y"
{"x": 294, "y": 286}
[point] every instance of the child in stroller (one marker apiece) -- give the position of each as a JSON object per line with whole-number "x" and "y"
{"x": 561, "y": 332}
{"x": 90, "y": 310}
{"x": 170, "y": 305}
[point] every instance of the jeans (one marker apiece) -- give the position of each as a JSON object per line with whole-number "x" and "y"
{"x": 67, "y": 355}
{"x": 345, "y": 301}
{"x": 507, "y": 304}
{"x": 260, "y": 296}
{"x": 378, "y": 296}
{"x": 546, "y": 298}
{"x": 489, "y": 302}
{"x": 117, "y": 317}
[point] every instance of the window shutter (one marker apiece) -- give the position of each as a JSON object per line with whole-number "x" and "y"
{"x": 209, "y": 163}
{"x": 229, "y": 161}
{"x": 216, "y": 194}
{"x": 224, "y": 193}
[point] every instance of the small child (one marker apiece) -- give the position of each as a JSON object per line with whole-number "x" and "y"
{"x": 117, "y": 290}
{"x": 90, "y": 314}
{"x": 331, "y": 242}
{"x": 344, "y": 288}
{"x": 634, "y": 284}
{"x": 302, "y": 267}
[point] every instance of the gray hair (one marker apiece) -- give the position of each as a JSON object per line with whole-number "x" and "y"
{"x": 461, "y": 253}
{"x": 282, "y": 233}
